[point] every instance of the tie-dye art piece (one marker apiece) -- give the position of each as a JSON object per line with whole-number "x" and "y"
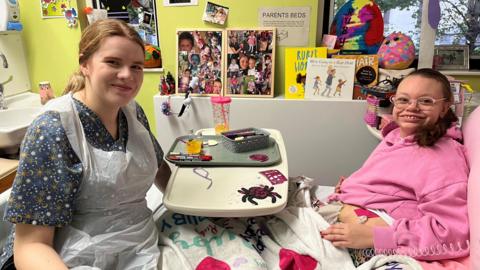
{"x": 358, "y": 26}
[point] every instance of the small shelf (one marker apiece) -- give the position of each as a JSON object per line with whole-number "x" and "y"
{"x": 10, "y": 32}
{"x": 152, "y": 70}
{"x": 461, "y": 72}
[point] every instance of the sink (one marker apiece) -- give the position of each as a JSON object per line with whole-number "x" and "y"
{"x": 23, "y": 100}
{"x": 14, "y": 121}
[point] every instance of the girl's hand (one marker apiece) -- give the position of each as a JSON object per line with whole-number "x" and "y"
{"x": 337, "y": 187}
{"x": 345, "y": 235}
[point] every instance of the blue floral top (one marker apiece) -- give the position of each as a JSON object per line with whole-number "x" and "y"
{"x": 49, "y": 171}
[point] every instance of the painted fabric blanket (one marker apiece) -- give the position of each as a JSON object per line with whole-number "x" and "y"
{"x": 289, "y": 239}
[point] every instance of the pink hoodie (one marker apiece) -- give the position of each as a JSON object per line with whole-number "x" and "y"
{"x": 423, "y": 188}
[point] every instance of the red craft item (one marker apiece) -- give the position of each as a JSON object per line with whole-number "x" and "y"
{"x": 274, "y": 176}
{"x": 259, "y": 157}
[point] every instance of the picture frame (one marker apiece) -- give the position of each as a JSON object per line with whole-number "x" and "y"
{"x": 250, "y": 62}
{"x": 200, "y": 61}
{"x": 215, "y": 13}
{"x": 174, "y": 3}
{"x": 141, "y": 18}
{"x": 451, "y": 57}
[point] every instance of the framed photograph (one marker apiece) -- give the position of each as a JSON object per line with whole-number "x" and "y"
{"x": 250, "y": 62}
{"x": 215, "y": 13}
{"x": 200, "y": 61}
{"x": 451, "y": 57}
{"x": 141, "y": 17}
{"x": 180, "y": 3}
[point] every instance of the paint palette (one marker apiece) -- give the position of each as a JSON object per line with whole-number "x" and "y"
{"x": 219, "y": 155}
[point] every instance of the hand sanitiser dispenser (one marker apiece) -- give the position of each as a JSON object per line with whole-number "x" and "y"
{"x": 9, "y": 15}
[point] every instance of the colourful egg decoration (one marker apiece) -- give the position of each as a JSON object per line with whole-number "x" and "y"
{"x": 397, "y": 51}
{"x": 358, "y": 26}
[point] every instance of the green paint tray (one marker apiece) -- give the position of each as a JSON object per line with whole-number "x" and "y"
{"x": 221, "y": 156}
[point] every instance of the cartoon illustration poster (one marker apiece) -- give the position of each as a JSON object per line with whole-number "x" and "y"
{"x": 54, "y": 9}
{"x": 330, "y": 78}
{"x": 295, "y": 69}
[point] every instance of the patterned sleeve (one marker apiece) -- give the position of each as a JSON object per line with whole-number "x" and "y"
{"x": 143, "y": 119}
{"x": 48, "y": 176}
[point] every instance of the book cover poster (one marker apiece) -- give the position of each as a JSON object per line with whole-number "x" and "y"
{"x": 296, "y": 67}
{"x": 366, "y": 70}
{"x": 330, "y": 78}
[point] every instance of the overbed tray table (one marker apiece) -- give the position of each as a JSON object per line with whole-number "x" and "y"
{"x": 232, "y": 190}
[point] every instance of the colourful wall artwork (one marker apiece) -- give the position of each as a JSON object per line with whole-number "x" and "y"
{"x": 54, "y": 8}
{"x": 358, "y": 25}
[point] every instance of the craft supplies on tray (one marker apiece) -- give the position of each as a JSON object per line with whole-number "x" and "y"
{"x": 263, "y": 154}
{"x": 244, "y": 140}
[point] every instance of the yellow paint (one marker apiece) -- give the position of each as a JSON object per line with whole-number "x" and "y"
{"x": 193, "y": 146}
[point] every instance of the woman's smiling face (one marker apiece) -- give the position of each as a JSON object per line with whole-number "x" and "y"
{"x": 112, "y": 75}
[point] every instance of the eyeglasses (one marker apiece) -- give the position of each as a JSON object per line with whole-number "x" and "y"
{"x": 423, "y": 103}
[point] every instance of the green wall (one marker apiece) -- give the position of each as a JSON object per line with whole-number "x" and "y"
{"x": 52, "y": 47}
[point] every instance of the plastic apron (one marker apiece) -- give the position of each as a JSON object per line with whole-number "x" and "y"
{"x": 112, "y": 227}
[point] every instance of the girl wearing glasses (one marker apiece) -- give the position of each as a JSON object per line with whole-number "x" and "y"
{"x": 411, "y": 193}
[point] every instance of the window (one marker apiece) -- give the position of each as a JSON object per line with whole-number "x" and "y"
{"x": 459, "y": 24}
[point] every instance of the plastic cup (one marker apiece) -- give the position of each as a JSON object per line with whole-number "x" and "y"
{"x": 221, "y": 113}
{"x": 194, "y": 146}
{"x": 45, "y": 91}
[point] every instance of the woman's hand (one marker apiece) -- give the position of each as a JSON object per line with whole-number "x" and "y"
{"x": 345, "y": 235}
{"x": 162, "y": 177}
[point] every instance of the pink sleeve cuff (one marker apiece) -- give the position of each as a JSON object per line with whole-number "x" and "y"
{"x": 383, "y": 238}
{"x": 332, "y": 197}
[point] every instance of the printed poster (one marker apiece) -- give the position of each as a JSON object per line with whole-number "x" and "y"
{"x": 292, "y": 23}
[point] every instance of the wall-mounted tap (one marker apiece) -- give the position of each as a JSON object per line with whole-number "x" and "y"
{"x": 4, "y": 60}
{"x": 3, "y": 106}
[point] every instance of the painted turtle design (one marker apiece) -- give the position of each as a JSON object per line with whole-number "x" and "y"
{"x": 258, "y": 192}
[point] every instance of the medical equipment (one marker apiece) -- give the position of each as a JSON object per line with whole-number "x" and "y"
{"x": 10, "y": 15}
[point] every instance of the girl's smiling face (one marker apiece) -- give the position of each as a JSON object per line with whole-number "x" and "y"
{"x": 411, "y": 116}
